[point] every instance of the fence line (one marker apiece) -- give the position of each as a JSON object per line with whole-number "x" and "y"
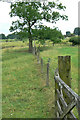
{"x": 39, "y": 59}
{"x": 65, "y": 98}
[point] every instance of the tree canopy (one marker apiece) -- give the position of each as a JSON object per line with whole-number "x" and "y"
{"x": 46, "y": 33}
{"x": 11, "y": 36}
{"x": 77, "y": 31}
{"x": 2, "y": 36}
{"x": 68, "y": 33}
{"x": 75, "y": 40}
{"x": 31, "y": 14}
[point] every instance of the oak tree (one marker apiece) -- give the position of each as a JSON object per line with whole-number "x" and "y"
{"x": 31, "y": 14}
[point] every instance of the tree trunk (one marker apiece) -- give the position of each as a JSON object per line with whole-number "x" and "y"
{"x": 30, "y": 45}
{"x": 30, "y": 39}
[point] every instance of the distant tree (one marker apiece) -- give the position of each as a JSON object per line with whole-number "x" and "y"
{"x": 75, "y": 40}
{"x": 32, "y": 13}
{"x": 21, "y": 35}
{"x": 68, "y": 33}
{"x": 56, "y": 36}
{"x": 17, "y": 35}
{"x": 2, "y": 36}
{"x": 11, "y": 36}
{"x": 77, "y": 31}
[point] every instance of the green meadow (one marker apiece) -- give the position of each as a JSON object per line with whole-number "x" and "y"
{"x": 24, "y": 93}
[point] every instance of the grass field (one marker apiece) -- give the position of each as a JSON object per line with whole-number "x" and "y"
{"x": 25, "y": 94}
{"x": 60, "y": 50}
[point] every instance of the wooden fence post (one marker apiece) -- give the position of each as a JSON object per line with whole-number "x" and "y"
{"x": 38, "y": 54}
{"x": 41, "y": 65}
{"x": 56, "y": 87}
{"x": 34, "y": 43}
{"x": 64, "y": 68}
{"x": 47, "y": 79}
{"x": 64, "y": 71}
{"x": 33, "y": 50}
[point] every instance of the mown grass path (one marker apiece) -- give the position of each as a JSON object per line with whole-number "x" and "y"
{"x": 24, "y": 93}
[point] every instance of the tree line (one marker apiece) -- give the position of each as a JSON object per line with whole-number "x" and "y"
{"x": 17, "y": 36}
{"x": 75, "y": 32}
{"x": 42, "y": 33}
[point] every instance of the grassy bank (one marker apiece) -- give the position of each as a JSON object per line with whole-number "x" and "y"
{"x": 24, "y": 92}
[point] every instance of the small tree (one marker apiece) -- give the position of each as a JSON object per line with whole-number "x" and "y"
{"x": 77, "y": 31}
{"x": 56, "y": 36}
{"x": 75, "y": 40}
{"x": 32, "y": 13}
{"x": 2, "y": 36}
{"x": 68, "y": 33}
{"x": 55, "y": 40}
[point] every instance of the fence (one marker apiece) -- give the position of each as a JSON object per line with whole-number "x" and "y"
{"x": 36, "y": 52}
{"x": 63, "y": 109}
{"x": 65, "y": 98}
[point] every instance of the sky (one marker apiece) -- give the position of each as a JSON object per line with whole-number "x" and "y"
{"x": 71, "y": 11}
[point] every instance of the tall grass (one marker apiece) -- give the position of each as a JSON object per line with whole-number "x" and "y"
{"x": 25, "y": 94}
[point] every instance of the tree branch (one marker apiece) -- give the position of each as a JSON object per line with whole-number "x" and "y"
{"x": 33, "y": 22}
